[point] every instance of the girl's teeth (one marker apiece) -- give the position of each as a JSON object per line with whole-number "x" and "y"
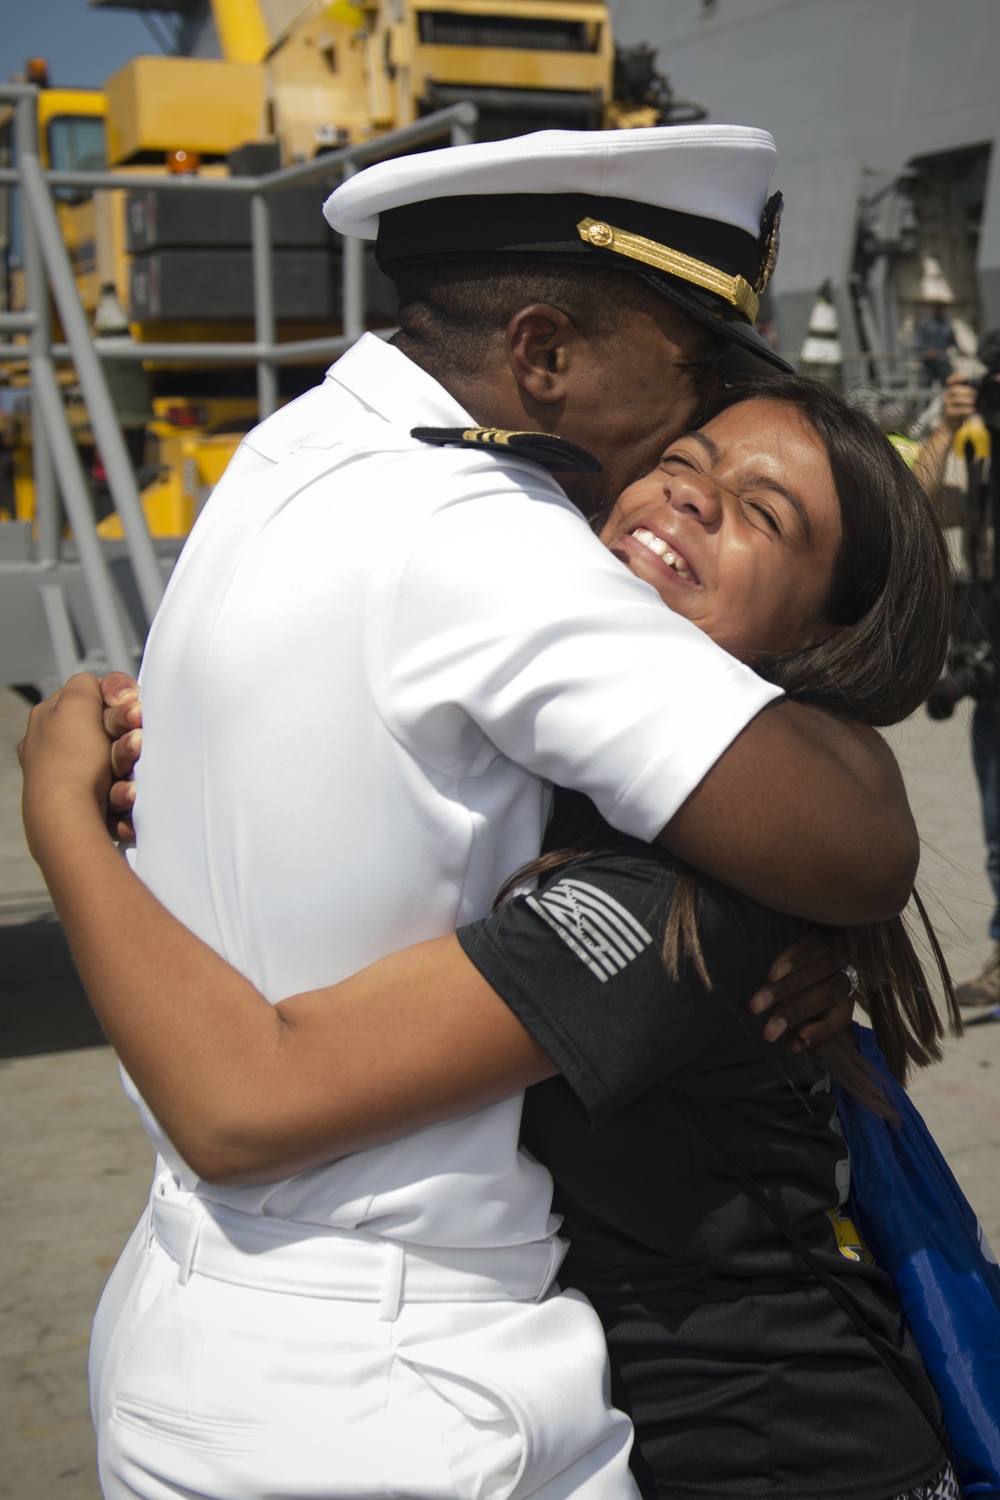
{"x": 658, "y": 545}
{"x": 653, "y": 542}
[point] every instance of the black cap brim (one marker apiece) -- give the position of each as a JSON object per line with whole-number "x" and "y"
{"x": 712, "y": 313}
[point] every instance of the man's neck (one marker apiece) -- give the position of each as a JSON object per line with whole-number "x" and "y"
{"x": 482, "y": 399}
{"x": 489, "y": 407}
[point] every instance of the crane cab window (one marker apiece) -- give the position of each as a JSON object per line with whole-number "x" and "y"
{"x": 76, "y": 144}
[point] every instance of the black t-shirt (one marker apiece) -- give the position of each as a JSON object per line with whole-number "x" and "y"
{"x": 741, "y": 1373}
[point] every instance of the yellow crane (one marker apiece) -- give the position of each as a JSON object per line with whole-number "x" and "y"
{"x": 289, "y": 80}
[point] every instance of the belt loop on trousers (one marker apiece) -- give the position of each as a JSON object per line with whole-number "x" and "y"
{"x": 315, "y": 1260}
{"x": 392, "y": 1287}
{"x": 192, "y": 1233}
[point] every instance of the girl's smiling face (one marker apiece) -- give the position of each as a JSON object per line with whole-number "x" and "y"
{"x": 737, "y": 529}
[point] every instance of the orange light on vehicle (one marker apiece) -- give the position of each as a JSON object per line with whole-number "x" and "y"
{"x": 180, "y": 163}
{"x": 36, "y": 70}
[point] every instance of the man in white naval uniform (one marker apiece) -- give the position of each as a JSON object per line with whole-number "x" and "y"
{"x": 454, "y": 639}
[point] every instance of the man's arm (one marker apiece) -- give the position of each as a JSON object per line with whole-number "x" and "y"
{"x": 571, "y": 668}
{"x": 804, "y": 812}
{"x": 805, "y": 992}
{"x": 807, "y": 813}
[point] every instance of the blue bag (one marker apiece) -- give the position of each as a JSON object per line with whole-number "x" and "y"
{"x": 922, "y": 1231}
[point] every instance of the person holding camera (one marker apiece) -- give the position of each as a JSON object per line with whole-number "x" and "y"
{"x": 978, "y": 587}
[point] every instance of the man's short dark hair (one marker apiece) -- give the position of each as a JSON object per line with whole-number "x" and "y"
{"x": 450, "y": 313}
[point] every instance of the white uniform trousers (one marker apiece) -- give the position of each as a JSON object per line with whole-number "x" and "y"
{"x": 236, "y": 1358}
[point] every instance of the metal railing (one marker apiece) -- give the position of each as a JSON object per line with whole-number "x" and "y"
{"x": 118, "y": 617}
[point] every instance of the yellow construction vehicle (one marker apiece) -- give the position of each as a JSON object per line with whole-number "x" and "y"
{"x": 72, "y": 129}
{"x": 288, "y": 81}
{"x": 308, "y": 76}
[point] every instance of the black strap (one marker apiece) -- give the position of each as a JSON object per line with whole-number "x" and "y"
{"x": 888, "y": 1356}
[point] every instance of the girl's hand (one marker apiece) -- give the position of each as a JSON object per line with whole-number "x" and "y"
{"x": 65, "y": 760}
{"x": 123, "y": 726}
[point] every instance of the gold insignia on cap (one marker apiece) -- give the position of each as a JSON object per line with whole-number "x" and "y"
{"x": 770, "y": 226}
{"x": 733, "y": 289}
{"x": 599, "y": 234}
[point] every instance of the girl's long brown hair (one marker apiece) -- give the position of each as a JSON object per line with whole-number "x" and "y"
{"x": 891, "y": 595}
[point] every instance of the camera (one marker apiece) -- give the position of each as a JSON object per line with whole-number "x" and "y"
{"x": 972, "y": 669}
{"x": 972, "y": 673}
{"x": 987, "y": 389}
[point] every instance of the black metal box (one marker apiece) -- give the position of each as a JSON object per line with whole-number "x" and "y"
{"x": 162, "y": 220}
{"x": 198, "y": 285}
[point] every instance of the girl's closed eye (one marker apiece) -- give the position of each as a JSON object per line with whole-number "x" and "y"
{"x": 765, "y": 513}
{"x": 679, "y": 458}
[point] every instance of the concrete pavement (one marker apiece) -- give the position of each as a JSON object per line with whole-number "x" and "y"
{"x": 75, "y": 1174}
{"x": 960, "y": 1099}
{"x": 76, "y": 1170}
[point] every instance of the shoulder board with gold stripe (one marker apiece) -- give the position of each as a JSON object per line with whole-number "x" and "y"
{"x": 556, "y": 454}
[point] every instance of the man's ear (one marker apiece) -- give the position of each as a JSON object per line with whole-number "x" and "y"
{"x": 540, "y": 343}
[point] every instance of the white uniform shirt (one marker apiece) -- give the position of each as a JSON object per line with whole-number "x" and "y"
{"x": 372, "y": 658}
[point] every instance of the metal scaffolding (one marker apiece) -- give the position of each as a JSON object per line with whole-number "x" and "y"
{"x": 86, "y": 603}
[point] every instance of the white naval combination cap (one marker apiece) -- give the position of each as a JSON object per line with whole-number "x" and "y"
{"x": 684, "y": 207}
